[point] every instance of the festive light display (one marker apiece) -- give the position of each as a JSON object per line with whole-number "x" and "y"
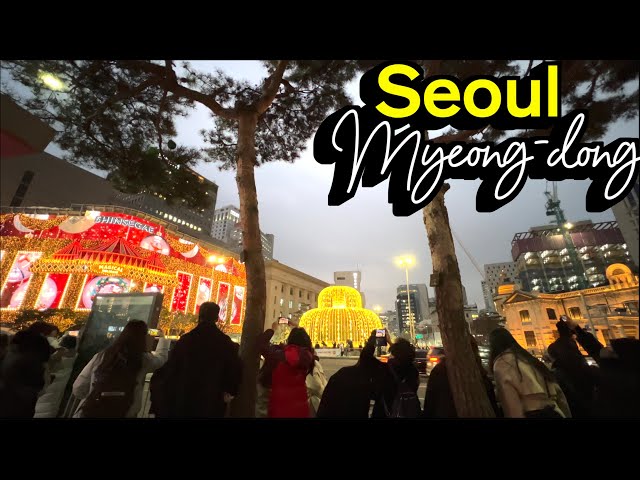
{"x": 77, "y": 256}
{"x": 340, "y": 317}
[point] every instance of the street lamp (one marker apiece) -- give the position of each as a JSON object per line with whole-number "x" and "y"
{"x": 406, "y": 262}
{"x": 51, "y": 81}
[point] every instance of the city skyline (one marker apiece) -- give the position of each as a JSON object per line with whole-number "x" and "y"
{"x": 363, "y": 234}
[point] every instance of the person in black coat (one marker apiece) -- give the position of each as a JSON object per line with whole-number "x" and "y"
{"x": 349, "y": 391}
{"x": 617, "y": 393}
{"x": 438, "y": 400}
{"x": 576, "y": 378}
{"x": 22, "y": 375}
{"x": 202, "y": 374}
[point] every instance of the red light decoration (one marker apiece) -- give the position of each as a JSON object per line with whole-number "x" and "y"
{"x": 204, "y": 292}
{"x": 181, "y": 292}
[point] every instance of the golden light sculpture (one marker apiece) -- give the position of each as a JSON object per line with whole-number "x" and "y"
{"x": 339, "y": 317}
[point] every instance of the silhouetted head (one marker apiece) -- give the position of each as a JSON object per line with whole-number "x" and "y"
{"x": 69, "y": 342}
{"x": 500, "y": 340}
{"x": 209, "y": 312}
{"x": 130, "y": 345}
{"x": 43, "y": 328}
{"x": 403, "y": 352}
{"x": 300, "y": 337}
{"x": 563, "y": 329}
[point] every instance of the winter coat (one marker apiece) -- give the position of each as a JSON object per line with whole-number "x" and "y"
{"x": 523, "y": 389}
{"x": 576, "y": 378}
{"x": 348, "y": 394}
{"x": 23, "y": 375}
{"x": 618, "y": 388}
{"x": 49, "y": 402}
{"x": 288, "y": 383}
{"x": 388, "y": 385}
{"x": 203, "y": 366}
{"x": 438, "y": 399}
{"x": 86, "y": 380}
{"x": 316, "y": 382}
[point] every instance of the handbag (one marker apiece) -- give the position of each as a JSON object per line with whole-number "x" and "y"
{"x": 316, "y": 383}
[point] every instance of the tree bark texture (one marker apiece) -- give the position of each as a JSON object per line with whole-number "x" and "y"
{"x": 467, "y": 386}
{"x": 244, "y": 404}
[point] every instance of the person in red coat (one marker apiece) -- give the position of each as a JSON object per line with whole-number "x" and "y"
{"x": 286, "y": 371}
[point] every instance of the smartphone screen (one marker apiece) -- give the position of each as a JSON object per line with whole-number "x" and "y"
{"x": 381, "y": 338}
{"x": 73, "y": 333}
{"x": 563, "y": 318}
{"x": 154, "y": 332}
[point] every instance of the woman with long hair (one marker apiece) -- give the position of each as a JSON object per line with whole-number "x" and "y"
{"x": 526, "y": 387}
{"x": 111, "y": 383}
{"x": 285, "y": 373}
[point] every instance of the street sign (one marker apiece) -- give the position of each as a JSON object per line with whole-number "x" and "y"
{"x": 419, "y": 336}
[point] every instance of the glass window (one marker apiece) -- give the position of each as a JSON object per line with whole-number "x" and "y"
{"x": 299, "y": 293}
{"x": 524, "y": 316}
{"x": 551, "y": 313}
{"x": 282, "y": 288}
{"x": 290, "y": 304}
{"x": 530, "y": 338}
{"x": 291, "y": 291}
{"x": 308, "y": 295}
{"x": 575, "y": 313}
{"x": 275, "y": 299}
{"x": 281, "y": 301}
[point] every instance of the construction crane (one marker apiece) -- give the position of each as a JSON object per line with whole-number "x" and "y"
{"x": 554, "y": 210}
{"x": 469, "y": 256}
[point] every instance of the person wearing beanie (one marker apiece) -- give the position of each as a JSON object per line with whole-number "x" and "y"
{"x": 576, "y": 378}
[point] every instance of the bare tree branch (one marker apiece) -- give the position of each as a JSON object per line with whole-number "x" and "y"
{"x": 271, "y": 87}
{"x": 528, "y": 68}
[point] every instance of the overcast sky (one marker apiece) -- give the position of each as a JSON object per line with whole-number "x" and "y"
{"x": 363, "y": 233}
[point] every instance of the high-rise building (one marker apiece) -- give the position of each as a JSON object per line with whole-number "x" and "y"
{"x": 494, "y": 273}
{"x": 226, "y": 227}
{"x": 543, "y": 261}
{"x": 31, "y": 177}
{"x": 390, "y": 322}
{"x": 626, "y": 213}
{"x": 419, "y": 302}
{"x": 353, "y": 279}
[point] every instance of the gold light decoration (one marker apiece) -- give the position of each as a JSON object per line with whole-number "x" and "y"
{"x": 340, "y": 317}
{"x": 178, "y": 246}
{"x": 33, "y": 291}
{"x": 73, "y": 290}
{"x": 33, "y": 223}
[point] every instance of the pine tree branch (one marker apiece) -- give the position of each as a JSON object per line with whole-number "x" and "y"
{"x": 174, "y": 87}
{"x": 271, "y": 86}
{"x": 123, "y": 95}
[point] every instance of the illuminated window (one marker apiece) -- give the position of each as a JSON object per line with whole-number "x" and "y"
{"x": 281, "y": 301}
{"x": 524, "y": 316}
{"x": 575, "y": 313}
{"x": 290, "y": 304}
{"x": 530, "y": 338}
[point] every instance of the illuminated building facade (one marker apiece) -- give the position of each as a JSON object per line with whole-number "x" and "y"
{"x": 340, "y": 317}
{"x": 63, "y": 259}
{"x": 611, "y": 310}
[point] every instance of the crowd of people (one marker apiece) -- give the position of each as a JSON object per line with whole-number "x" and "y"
{"x": 202, "y": 374}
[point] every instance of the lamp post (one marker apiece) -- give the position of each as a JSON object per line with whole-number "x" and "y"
{"x": 405, "y": 262}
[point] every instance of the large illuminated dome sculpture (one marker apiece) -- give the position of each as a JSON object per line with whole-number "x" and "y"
{"x": 340, "y": 317}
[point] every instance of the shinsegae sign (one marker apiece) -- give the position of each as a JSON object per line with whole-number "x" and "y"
{"x": 127, "y": 223}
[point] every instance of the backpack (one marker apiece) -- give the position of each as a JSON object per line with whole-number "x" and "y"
{"x": 111, "y": 394}
{"x": 406, "y": 403}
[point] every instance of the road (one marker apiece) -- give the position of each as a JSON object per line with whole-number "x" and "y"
{"x": 331, "y": 365}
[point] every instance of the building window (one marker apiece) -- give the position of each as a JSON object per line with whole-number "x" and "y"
{"x": 291, "y": 291}
{"x": 275, "y": 299}
{"x": 299, "y": 293}
{"x": 282, "y": 288}
{"x": 290, "y": 304}
{"x": 21, "y": 191}
{"x": 530, "y": 338}
{"x": 524, "y": 316}
{"x": 575, "y": 313}
{"x": 281, "y": 301}
{"x": 551, "y": 313}
{"x": 275, "y": 287}
{"x": 308, "y": 295}
{"x": 632, "y": 307}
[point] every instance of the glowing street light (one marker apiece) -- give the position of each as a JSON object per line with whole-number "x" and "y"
{"x": 377, "y": 308}
{"x": 568, "y": 225}
{"x": 51, "y": 81}
{"x": 405, "y": 262}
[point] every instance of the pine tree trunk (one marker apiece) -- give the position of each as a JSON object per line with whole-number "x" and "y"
{"x": 253, "y": 326}
{"x": 467, "y": 387}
